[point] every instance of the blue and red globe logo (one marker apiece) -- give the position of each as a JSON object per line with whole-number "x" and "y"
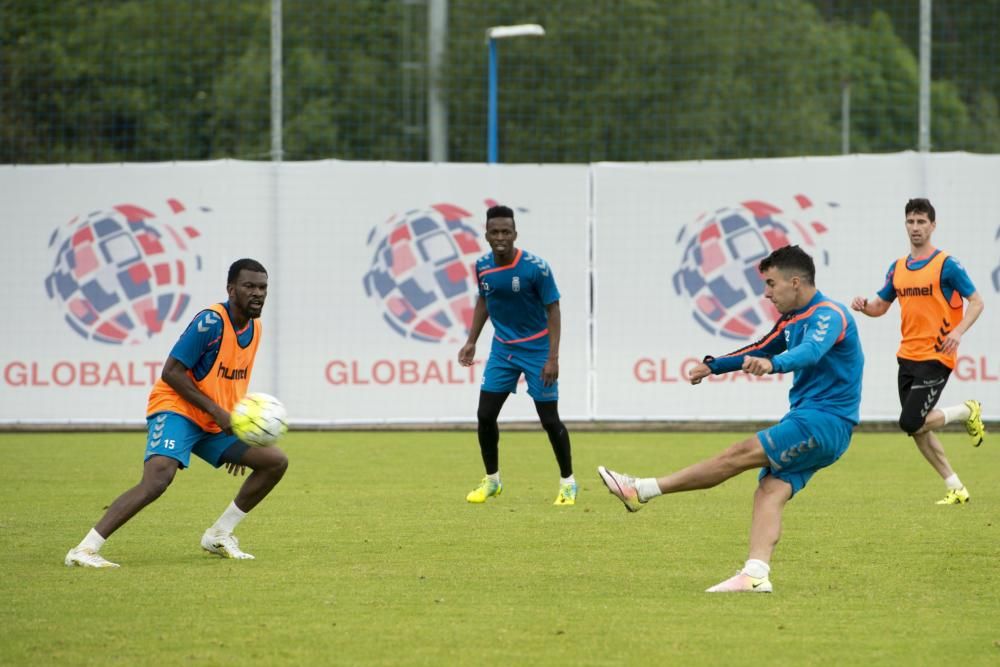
{"x": 119, "y": 274}
{"x": 718, "y": 269}
{"x": 421, "y": 274}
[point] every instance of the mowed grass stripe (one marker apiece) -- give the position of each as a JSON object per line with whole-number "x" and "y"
{"x": 368, "y": 554}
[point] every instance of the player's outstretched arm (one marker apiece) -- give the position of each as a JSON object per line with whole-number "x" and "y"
{"x": 698, "y": 373}
{"x": 876, "y": 307}
{"x": 467, "y": 355}
{"x": 770, "y": 345}
{"x": 175, "y": 374}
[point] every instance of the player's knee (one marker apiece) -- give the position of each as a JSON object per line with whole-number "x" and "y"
{"x": 910, "y": 424}
{"x": 773, "y": 490}
{"x": 277, "y": 462}
{"x": 284, "y": 463}
{"x": 552, "y": 424}
{"x": 154, "y": 486}
{"x": 486, "y": 418}
{"x": 157, "y": 475}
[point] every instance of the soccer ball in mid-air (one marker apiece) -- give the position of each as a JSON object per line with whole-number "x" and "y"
{"x": 259, "y": 420}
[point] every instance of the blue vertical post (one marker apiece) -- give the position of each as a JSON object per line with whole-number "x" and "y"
{"x": 492, "y": 140}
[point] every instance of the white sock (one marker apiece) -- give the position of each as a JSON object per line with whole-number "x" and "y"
{"x": 953, "y": 482}
{"x": 956, "y": 413}
{"x": 229, "y": 519}
{"x": 757, "y": 569}
{"x": 92, "y": 541}
{"x": 567, "y": 480}
{"x": 495, "y": 476}
{"x": 647, "y": 488}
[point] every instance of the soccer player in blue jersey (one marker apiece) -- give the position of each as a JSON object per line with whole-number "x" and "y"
{"x": 931, "y": 286}
{"x": 518, "y": 293}
{"x": 817, "y": 340}
{"x": 188, "y": 413}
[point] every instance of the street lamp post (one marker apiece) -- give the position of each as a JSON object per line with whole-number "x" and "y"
{"x": 492, "y": 122}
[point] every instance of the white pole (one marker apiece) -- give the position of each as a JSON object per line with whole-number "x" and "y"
{"x": 276, "y": 147}
{"x": 924, "y": 119}
{"x": 845, "y": 117}
{"x": 437, "y": 112}
{"x": 277, "y": 153}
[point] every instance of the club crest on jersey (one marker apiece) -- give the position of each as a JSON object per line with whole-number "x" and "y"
{"x": 515, "y": 284}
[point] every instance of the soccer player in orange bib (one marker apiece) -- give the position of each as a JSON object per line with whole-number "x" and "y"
{"x": 931, "y": 287}
{"x": 206, "y": 374}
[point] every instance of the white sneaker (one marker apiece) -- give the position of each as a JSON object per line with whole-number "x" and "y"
{"x": 226, "y": 545}
{"x": 741, "y": 582}
{"x": 87, "y": 558}
{"x": 622, "y": 487}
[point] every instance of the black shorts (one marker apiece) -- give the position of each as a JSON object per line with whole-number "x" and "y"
{"x": 920, "y": 387}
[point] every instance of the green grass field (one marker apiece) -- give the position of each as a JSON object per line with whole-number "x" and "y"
{"x": 368, "y": 554}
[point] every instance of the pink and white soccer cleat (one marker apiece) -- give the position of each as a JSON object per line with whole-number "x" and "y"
{"x": 742, "y": 582}
{"x": 622, "y": 487}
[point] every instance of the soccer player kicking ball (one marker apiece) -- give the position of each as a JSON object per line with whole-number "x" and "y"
{"x": 518, "y": 293}
{"x": 817, "y": 340}
{"x": 930, "y": 286}
{"x": 206, "y": 374}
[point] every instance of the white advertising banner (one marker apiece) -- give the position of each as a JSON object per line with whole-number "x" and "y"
{"x": 371, "y": 288}
{"x": 377, "y": 279}
{"x": 676, "y": 246}
{"x": 105, "y": 267}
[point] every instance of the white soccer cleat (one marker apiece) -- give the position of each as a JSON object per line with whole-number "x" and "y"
{"x": 622, "y": 487}
{"x": 741, "y": 582}
{"x": 225, "y": 545}
{"x": 85, "y": 557}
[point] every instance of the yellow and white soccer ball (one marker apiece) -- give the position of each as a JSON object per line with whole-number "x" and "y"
{"x": 259, "y": 419}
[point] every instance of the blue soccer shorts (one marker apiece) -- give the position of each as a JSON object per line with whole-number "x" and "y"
{"x": 507, "y": 363}
{"x": 173, "y": 435}
{"x": 803, "y": 442}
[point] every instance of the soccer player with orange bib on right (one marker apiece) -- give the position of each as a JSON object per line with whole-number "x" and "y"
{"x": 932, "y": 287}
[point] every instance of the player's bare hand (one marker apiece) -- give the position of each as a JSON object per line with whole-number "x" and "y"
{"x": 550, "y": 372}
{"x": 951, "y": 343}
{"x": 859, "y": 303}
{"x": 222, "y": 418}
{"x": 698, "y": 373}
{"x": 236, "y": 470}
{"x": 467, "y": 355}
{"x": 757, "y": 365}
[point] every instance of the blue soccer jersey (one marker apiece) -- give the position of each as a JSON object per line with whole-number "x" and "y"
{"x": 820, "y": 344}
{"x": 954, "y": 278}
{"x": 516, "y": 298}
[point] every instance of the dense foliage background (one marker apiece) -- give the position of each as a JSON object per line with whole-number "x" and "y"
{"x": 151, "y": 80}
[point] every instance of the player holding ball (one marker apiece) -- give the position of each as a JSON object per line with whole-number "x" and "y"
{"x": 207, "y": 373}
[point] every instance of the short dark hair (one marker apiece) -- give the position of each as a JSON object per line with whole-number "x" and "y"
{"x": 792, "y": 259}
{"x": 500, "y": 211}
{"x": 241, "y": 264}
{"x": 921, "y": 205}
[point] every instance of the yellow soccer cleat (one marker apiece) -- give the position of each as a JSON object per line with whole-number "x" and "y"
{"x": 567, "y": 495}
{"x": 974, "y": 425}
{"x": 955, "y": 497}
{"x": 486, "y": 489}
